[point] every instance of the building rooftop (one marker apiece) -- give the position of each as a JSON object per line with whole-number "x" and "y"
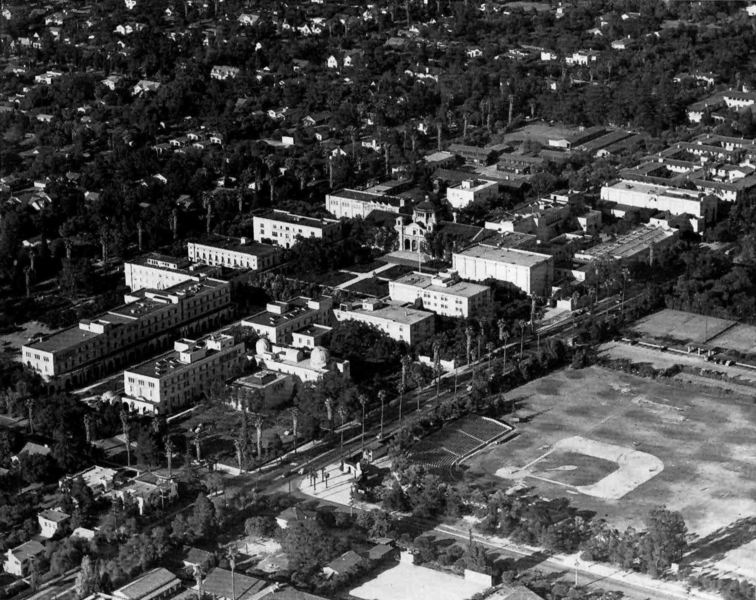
{"x": 260, "y": 379}
{"x": 425, "y": 282}
{"x": 628, "y": 245}
{"x": 368, "y": 197}
{"x": 170, "y": 362}
{"x": 56, "y": 516}
{"x": 513, "y": 256}
{"x": 218, "y": 584}
{"x": 150, "y": 585}
{"x": 27, "y": 550}
{"x": 348, "y": 560}
{"x": 287, "y": 217}
{"x": 63, "y": 339}
{"x": 294, "y": 309}
{"x": 657, "y": 189}
{"x": 245, "y": 245}
{"x": 393, "y": 312}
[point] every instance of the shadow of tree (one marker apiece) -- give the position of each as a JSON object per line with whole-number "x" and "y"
{"x": 715, "y": 545}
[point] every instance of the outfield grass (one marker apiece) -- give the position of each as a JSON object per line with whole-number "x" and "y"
{"x": 707, "y": 445}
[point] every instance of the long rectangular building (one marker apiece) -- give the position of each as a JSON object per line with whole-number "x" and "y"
{"x": 179, "y": 377}
{"x": 531, "y": 272}
{"x": 235, "y": 253}
{"x": 142, "y": 326}
{"x": 399, "y": 323}
{"x": 350, "y": 204}
{"x": 677, "y": 201}
{"x": 158, "y": 271}
{"x": 283, "y": 228}
{"x": 445, "y": 294}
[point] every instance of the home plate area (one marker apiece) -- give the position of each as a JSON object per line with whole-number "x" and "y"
{"x": 590, "y": 467}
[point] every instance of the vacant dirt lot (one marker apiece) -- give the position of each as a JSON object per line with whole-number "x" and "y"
{"x": 706, "y": 444}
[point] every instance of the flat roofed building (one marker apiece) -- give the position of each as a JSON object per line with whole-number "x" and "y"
{"x": 302, "y": 364}
{"x": 235, "y": 253}
{"x": 471, "y": 190}
{"x": 309, "y": 337}
{"x": 272, "y": 387}
{"x": 676, "y": 201}
{"x": 473, "y": 154}
{"x": 350, "y": 204}
{"x": 445, "y": 294}
{"x": 51, "y": 522}
{"x": 636, "y": 244}
{"x": 177, "y": 378}
{"x": 123, "y": 334}
{"x": 400, "y": 323}
{"x": 221, "y": 584}
{"x": 282, "y": 228}
{"x": 280, "y": 320}
{"x": 159, "y": 271}
{"x": 98, "y": 479}
{"x": 531, "y": 272}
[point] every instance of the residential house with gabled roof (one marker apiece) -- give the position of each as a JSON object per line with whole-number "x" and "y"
{"x": 248, "y": 19}
{"x": 295, "y": 514}
{"x": 145, "y": 86}
{"x": 343, "y": 564}
{"x": 224, "y": 72}
{"x": 18, "y": 560}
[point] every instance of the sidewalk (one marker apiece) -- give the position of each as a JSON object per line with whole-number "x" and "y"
{"x": 338, "y": 488}
{"x": 362, "y": 276}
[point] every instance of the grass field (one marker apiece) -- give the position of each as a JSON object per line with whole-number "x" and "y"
{"x": 574, "y": 469}
{"x": 741, "y": 338}
{"x": 706, "y": 444}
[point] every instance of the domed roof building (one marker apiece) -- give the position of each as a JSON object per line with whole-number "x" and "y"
{"x": 262, "y": 346}
{"x": 319, "y": 357}
{"x": 302, "y": 364}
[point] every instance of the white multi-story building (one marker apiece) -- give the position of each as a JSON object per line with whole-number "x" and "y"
{"x": 280, "y": 320}
{"x": 140, "y": 327}
{"x": 282, "y": 228}
{"x": 677, "y": 201}
{"x": 354, "y": 203}
{"x": 178, "y": 378}
{"x": 444, "y": 294}
{"x": 531, "y": 272}
{"x": 51, "y": 522}
{"x": 235, "y": 253}
{"x": 159, "y": 272}
{"x": 302, "y": 364}
{"x": 470, "y": 190}
{"x": 398, "y": 322}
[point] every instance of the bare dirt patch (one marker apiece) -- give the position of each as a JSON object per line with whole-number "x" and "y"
{"x": 573, "y": 468}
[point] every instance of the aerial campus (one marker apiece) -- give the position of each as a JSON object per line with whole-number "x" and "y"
{"x": 390, "y": 300}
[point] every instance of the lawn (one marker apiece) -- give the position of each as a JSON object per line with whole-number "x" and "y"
{"x": 573, "y": 468}
{"x": 331, "y": 279}
{"x": 682, "y": 327}
{"x": 367, "y": 267}
{"x": 371, "y": 286}
{"x": 706, "y": 445}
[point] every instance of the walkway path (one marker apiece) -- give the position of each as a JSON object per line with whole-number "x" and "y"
{"x": 362, "y": 276}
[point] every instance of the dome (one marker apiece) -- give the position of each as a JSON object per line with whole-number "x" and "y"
{"x": 109, "y": 396}
{"x": 319, "y": 356}
{"x": 262, "y": 346}
{"x": 426, "y": 206}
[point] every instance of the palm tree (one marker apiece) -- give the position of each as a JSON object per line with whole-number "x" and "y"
{"x": 197, "y": 446}
{"x": 170, "y": 449}
{"x": 259, "y": 422}
{"x": 88, "y": 420}
{"x": 199, "y": 573}
{"x": 490, "y": 348}
{"x": 437, "y": 365}
{"x": 406, "y": 364}
{"x": 401, "y": 389}
{"x": 503, "y": 337}
{"x": 127, "y": 436}
{"x": 522, "y": 325}
{"x": 294, "y": 412}
{"x": 30, "y": 410}
{"x": 329, "y": 412}
{"x": 382, "y": 398}
{"x": 363, "y": 401}
{"x": 238, "y": 447}
{"x": 468, "y": 338}
{"x": 231, "y": 552}
{"x": 417, "y": 377}
{"x": 342, "y": 413}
